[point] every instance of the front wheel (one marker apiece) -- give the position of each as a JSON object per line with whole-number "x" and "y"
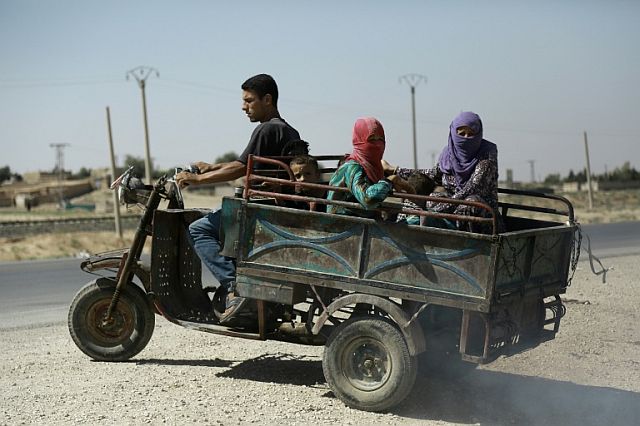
{"x": 367, "y": 364}
{"x": 118, "y": 338}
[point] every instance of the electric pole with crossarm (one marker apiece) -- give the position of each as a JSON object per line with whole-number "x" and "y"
{"x": 141, "y": 74}
{"x": 59, "y": 147}
{"x": 413, "y": 80}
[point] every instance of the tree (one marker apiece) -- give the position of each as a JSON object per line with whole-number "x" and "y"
{"x": 227, "y": 157}
{"x": 138, "y": 165}
{"x": 5, "y": 173}
{"x": 82, "y": 173}
{"x": 625, "y": 173}
{"x": 138, "y": 168}
{"x": 553, "y": 179}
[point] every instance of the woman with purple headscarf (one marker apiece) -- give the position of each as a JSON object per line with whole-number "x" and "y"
{"x": 467, "y": 169}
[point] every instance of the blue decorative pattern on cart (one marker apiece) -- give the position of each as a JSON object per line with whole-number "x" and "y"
{"x": 413, "y": 256}
{"x": 290, "y": 240}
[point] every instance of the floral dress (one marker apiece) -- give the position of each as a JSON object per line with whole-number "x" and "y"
{"x": 482, "y": 186}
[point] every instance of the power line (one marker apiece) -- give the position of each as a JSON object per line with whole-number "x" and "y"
{"x": 27, "y": 84}
{"x": 494, "y": 128}
{"x": 197, "y": 85}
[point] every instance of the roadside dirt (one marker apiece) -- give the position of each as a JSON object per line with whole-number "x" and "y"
{"x": 75, "y": 244}
{"x": 614, "y": 206}
{"x": 588, "y": 375}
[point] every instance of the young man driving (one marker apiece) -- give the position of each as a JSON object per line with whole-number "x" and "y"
{"x": 272, "y": 137}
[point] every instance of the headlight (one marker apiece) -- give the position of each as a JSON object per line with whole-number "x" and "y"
{"x": 134, "y": 191}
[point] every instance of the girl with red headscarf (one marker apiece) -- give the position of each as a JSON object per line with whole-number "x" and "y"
{"x": 362, "y": 171}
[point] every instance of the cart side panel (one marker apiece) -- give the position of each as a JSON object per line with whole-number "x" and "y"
{"x": 297, "y": 239}
{"x": 432, "y": 259}
{"x": 449, "y": 263}
{"x": 530, "y": 260}
{"x": 551, "y": 254}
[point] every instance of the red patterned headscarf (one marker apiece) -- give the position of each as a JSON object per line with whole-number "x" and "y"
{"x": 368, "y": 147}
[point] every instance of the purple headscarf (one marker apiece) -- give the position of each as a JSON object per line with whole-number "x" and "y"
{"x": 460, "y": 156}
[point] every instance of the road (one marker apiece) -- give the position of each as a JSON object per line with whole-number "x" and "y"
{"x": 37, "y": 292}
{"x": 33, "y": 293}
{"x": 613, "y": 239}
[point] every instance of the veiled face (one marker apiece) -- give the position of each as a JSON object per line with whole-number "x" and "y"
{"x": 465, "y": 132}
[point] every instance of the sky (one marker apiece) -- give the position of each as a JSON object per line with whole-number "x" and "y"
{"x": 539, "y": 74}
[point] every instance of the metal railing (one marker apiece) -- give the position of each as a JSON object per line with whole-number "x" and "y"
{"x": 254, "y": 177}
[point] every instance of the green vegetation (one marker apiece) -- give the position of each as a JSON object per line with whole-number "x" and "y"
{"x": 82, "y": 173}
{"x": 226, "y": 157}
{"x": 625, "y": 173}
{"x": 5, "y": 174}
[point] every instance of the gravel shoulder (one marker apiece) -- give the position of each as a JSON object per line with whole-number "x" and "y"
{"x": 588, "y": 375}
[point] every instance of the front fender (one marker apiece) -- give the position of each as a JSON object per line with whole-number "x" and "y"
{"x": 411, "y": 330}
{"x": 115, "y": 260}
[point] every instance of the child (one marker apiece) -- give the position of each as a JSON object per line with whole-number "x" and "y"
{"x": 423, "y": 185}
{"x": 305, "y": 169}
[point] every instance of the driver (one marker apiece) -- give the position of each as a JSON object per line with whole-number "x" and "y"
{"x": 272, "y": 137}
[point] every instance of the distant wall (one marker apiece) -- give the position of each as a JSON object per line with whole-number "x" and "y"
{"x": 612, "y": 186}
{"x": 43, "y": 192}
{"x": 222, "y": 189}
{"x": 600, "y": 186}
{"x": 574, "y": 186}
{"x": 5, "y": 200}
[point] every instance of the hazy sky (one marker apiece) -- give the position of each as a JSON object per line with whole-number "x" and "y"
{"x": 538, "y": 73}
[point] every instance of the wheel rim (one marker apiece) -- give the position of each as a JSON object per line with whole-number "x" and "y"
{"x": 366, "y": 363}
{"x": 114, "y": 330}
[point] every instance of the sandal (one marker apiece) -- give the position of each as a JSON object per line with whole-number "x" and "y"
{"x": 235, "y": 304}
{"x": 219, "y": 301}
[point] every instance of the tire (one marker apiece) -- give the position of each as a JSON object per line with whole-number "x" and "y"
{"x": 124, "y": 337}
{"x": 367, "y": 364}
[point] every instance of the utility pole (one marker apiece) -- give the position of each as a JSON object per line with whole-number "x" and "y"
{"x": 413, "y": 80}
{"x": 533, "y": 169}
{"x": 59, "y": 147}
{"x": 586, "y": 150}
{"x": 141, "y": 74}
{"x": 116, "y": 201}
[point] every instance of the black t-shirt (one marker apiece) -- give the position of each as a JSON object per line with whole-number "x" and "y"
{"x": 269, "y": 139}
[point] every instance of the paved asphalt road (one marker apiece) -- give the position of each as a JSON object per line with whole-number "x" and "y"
{"x": 39, "y": 292}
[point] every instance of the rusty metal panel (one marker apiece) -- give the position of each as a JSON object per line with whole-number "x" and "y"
{"x": 301, "y": 240}
{"x": 270, "y": 290}
{"x": 343, "y": 251}
{"x": 449, "y": 262}
{"x": 230, "y": 225}
{"x": 370, "y": 251}
{"x": 530, "y": 260}
{"x": 550, "y": 256}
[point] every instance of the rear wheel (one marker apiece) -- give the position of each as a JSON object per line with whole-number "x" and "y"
{"x": 367, "y": 364}
{"x": 122, "y": 336}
